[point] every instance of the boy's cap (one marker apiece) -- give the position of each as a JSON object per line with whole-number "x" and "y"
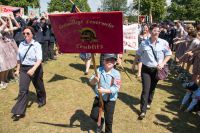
{"x": 191, "y": 87}
{"x": 108, "y": 56}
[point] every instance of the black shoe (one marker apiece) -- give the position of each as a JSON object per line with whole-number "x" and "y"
{"x": 86, "y": 73}
{"x": 41, "y": 105}
{"x": 13, "y": 116}
{"x": 17, "y": 117}
{"x": 53, "y": 59}
{"x": 99, "y": 128}
{"x": 141, "y": 116}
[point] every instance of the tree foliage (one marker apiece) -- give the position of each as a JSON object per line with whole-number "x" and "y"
{"x": 156, "y": 7}
{"x": 65, "y": 5}
{"x": 114, "y": 5}
{"x": 184, "y": 10}
{"x": 21, "y": 3}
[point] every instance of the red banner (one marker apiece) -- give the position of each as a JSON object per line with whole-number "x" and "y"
{"x": 99, "y": 32}
{"x": 7, "y": 9}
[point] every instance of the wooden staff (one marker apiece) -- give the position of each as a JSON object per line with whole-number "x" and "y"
{"x": 78, "y": 10}
{"x": 100, "y": 95}
{"x": 95, "y": 70}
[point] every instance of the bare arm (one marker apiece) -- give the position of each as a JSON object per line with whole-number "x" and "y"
{"x": 18, "y": 68}
{"x": 166, "y": 59}
{"x": 33, "y": 69}
{"x": 16, "y": 23}
{"x": 3, "y": 26}
{"x": 135, "y": 62}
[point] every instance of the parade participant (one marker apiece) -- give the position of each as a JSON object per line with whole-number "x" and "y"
{"x": 29, "y": 68}
{"x": 8, "y": 46}
{"x": 3, "y": 65}
{"x": 150, "y": 66}
{"x": 46, "y": 37}
{"x": 193, "y": 91}
{"x": 18, "y": 36}
{"x": 86, "y": 57}
{"x": 143, "y": 36}
{"x": 110, "y": 82}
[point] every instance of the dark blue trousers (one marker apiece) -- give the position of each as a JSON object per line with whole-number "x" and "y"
{"x": 24, "y": 83}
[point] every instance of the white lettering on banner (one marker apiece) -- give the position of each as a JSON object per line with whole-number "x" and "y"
{"x": 130, "y": 36}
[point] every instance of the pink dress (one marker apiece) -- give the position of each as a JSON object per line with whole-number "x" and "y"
{"x": 8, "y": 51}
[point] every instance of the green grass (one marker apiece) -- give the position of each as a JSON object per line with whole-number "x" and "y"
{"x": 69, "y": 98}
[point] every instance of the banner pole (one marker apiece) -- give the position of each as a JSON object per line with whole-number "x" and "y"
{"x": 75, "y": 6}
{"x": 96, "y": 73}
{"x": 100, "y": 95}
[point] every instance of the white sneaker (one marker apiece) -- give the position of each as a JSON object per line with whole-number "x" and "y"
{"x": 141, "y": 116}
{"x": 148, "y": 106}
{"x": 198, "y": 113}
{"x": 1, "y": 85}
{"x": 4, "y": 85}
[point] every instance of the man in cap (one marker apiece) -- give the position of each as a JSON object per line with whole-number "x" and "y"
{"x": 18, "y": 36}
{"x": 109, "y": 84}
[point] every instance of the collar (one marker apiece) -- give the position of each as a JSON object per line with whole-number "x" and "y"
{"x": 26, "y": 44}
{"x": 150, "y": 43}
{"x": 111, "y": 71}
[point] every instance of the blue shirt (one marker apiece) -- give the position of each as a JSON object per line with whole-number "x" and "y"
{"x": 33, "y": 55}
{"x": 161, "y": 49}
{"x": 111, "y": 81}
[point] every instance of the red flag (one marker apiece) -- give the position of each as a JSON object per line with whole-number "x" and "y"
{"x": 99, "y": 32}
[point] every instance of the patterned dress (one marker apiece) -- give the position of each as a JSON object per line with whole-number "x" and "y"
{"x": 182, "y": 48}
{"x": 8, "y": 51}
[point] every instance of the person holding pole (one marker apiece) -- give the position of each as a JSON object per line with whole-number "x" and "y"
{"x": 106, "y": 84}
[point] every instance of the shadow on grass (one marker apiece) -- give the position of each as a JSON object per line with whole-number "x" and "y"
{"x": 128, "y": 61}
{"x": 133, "y": 55}
{"x": 181, "y": 122}
{"x": 130, "y": 101}
{"x": 80, "y": 67}
{"x": 57, "y": 77}
{"x": 31, "y": 99}
{"x": 85, "y": 80}
{"x": 86, "y": 123}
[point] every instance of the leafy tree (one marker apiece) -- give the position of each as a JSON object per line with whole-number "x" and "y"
{"x": 65, "y": 5}
{"x": 184, "y": 10}
{"x": 21, "y": 3}
{"x": 155, "y": 7}
{"x": 114, "y": 5}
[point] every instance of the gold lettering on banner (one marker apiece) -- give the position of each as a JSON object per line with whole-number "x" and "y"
{"x": 89, "y": 47}
{"x": 108, "y": 25}
{"x": 80, "y": 22}
{"x": 71, "y": 22}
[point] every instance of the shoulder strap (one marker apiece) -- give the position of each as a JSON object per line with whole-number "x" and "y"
{"x": 27, "y": 52}
{"x": 153, "y": 53}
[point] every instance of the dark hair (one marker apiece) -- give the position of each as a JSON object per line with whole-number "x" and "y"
{"x": 153, "y": 26}
{"x": 30, "y": 28}
{"x": 42, "y": 18}
{"x": 192, "y": 33}
{"x": 198, "y": 27}
{"x": 142, "y": 31}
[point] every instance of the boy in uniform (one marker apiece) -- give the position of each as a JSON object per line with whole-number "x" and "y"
{"x": 109, "y": 84}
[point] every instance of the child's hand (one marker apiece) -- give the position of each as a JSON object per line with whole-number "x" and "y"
{"x": 96, "y": 78}
{"x": 102, "y": 90}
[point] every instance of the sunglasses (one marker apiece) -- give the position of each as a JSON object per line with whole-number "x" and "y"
{"x": 26, "y": 33}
